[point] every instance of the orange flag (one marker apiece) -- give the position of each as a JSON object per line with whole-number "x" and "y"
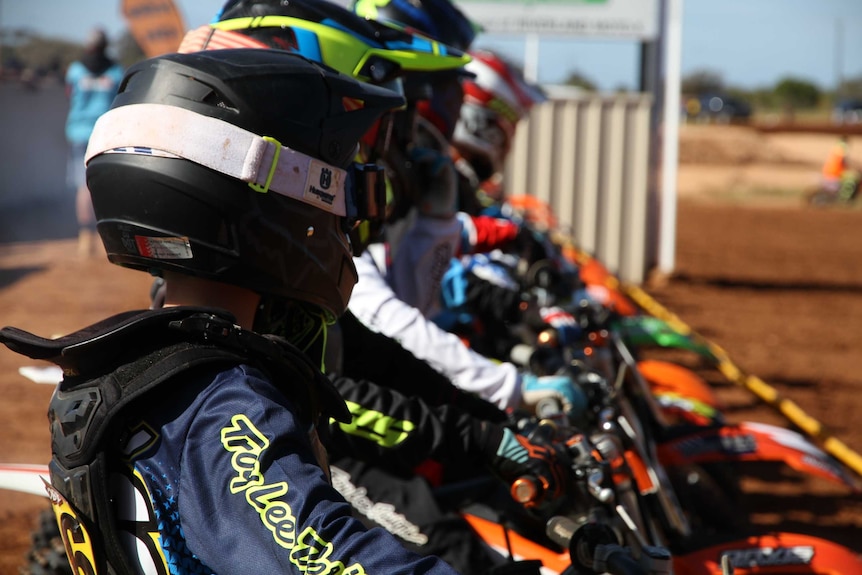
{"x": 156, "y": 25}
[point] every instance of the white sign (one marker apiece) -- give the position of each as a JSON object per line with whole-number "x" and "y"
{"x": 632, "y": 19}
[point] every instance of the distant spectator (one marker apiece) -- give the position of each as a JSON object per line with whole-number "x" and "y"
{"x": 91, "y": 84}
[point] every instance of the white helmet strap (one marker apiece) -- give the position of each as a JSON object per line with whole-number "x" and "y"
{"x": 261, "y": 161}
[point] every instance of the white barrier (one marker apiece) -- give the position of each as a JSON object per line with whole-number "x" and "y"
{"x": 588, "y": 157}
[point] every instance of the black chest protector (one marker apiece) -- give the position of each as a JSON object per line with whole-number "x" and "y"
{"x": 110, "y": 369}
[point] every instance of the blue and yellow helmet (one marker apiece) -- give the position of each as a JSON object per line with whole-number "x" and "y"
{"x": 439, "y": 19}
{"x": 330, "y": 34}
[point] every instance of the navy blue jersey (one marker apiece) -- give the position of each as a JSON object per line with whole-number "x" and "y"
{"x": 225, "y": 480}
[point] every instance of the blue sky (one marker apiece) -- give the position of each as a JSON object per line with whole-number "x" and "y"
{"x": 750, "y": 43}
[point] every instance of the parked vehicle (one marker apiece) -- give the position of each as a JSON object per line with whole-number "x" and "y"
{"x": 847, "y": 111}
{"x": 718, "y": 108}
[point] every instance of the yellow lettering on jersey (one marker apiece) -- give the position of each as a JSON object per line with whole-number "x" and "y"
{"x": 310, "y": 553}
{"x": 375, "y": 426}
{"x": 246, "y": 444}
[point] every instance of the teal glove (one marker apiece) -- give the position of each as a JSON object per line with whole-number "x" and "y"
{"x": 518, "y": 458}
{"x": 536, "y": 392}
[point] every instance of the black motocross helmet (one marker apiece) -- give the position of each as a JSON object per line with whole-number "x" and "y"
{"x": 237, "y": 166}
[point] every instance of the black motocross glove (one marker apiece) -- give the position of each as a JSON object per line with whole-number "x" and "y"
{"x": 535, "y": 472}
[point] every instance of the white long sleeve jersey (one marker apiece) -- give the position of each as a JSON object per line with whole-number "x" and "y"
{"x": 375, "y": 304}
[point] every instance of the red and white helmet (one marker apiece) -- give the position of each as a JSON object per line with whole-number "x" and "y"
{"x": 494, "y": 101}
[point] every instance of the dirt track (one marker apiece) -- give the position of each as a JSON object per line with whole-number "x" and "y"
{"x": 46, "y": 290}
{"x": 780, "y": 291}
{"x": 778, "y": 287}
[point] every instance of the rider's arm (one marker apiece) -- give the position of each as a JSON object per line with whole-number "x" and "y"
{"x": 364, "y": 351}
{"x": 400, "y": 432}
{"x": 482, "y": 234}
{"x": 374, "y": 303}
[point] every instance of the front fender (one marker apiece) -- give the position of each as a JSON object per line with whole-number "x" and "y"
{"x": 681, "y": 393}
{"x": 775, "y": 553}
{"x": 753, "y": 442}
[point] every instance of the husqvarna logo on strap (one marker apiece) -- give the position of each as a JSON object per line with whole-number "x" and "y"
{"x": 325, "y": 178}
{"x": 769, "y": 556}
{"x": 308, "y": 551}
{"x": 322, "y": 185}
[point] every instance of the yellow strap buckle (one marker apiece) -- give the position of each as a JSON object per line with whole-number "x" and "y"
{"x": 265, "y": 187}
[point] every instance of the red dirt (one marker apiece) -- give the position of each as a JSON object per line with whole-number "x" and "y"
{"x": 776, "y": 287}
{"x": 779, "y": 291}
{"x": 45, "y": 289}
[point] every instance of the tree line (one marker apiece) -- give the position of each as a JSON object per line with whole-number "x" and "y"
{"x": 789, "y": 92}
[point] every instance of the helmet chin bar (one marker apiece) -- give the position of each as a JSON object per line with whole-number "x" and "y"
{"x": 260, "y": 161}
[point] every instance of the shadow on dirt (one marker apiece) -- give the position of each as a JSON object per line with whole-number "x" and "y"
{"x": 846, "y": 536}
{"x": 10, "y": 276}
{"x": 794, "y": 383}
{"x": 784, "y": 506}
{"x": 740, "y": 407}
{"x": 814, "y": 515}
{"x": 794, "y": 508}
{"x": 37, "y": 221}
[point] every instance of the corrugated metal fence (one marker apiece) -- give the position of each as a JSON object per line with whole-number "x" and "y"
{"x": 588, "y": 157}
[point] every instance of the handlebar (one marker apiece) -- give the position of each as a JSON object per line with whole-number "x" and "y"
{"x": 617, "y": 560}
{"x": 528, "y": 491}
{"x": 595, "y": 548}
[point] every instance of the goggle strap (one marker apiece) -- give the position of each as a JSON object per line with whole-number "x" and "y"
{"x": 262, "y": 162}
{"x": 370, "y": 192}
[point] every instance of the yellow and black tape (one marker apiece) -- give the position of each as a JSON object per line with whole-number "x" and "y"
{"x": 765, "y": 392}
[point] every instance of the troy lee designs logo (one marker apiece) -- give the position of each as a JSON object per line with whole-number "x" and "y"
{"x": 308, "y": 551}
{"x": 768, "y": 556}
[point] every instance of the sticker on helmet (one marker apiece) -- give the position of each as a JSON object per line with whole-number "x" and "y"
{"x": 164, "y": 248}
{"x": 322, "y": 184}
